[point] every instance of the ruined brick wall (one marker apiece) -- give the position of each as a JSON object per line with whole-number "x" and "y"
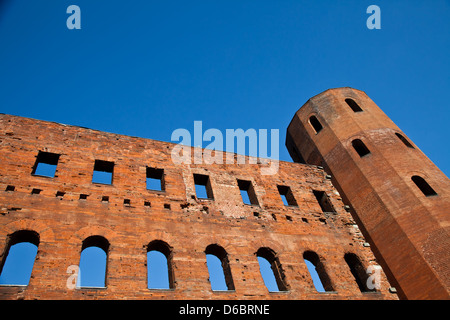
{"x": 373, "y": 165}
{"x": 187, "y": 224}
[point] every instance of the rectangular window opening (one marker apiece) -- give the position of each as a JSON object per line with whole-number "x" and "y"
{"x": 60, "y": 194}
{"x": 155, "y": 179}
{"x": 45, "y": 164}
{"x": 83, "y": 196}
{"x": 317, "y": 126}
{"x": 287, "y": 196}
{"x": 324, "y": 201}
{"x": 103, "y": 172}
{"x": 36, "y": 191}
{"x": 203, "y": 188}
{"x": 247, "y": 192}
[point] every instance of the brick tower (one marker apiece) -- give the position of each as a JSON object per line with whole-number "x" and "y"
{"x": 398, "y": 197}
{"x": 66, "y": 212}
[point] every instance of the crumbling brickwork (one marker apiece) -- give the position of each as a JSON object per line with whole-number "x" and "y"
{"x": 69, "y": 208}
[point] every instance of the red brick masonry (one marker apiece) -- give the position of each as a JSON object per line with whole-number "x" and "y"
{"x": 175, "y": 216}
{"x": 399, "y": 198}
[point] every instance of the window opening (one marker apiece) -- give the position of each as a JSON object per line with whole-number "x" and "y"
{"x": 247, "y": 192}
{"x": 103, "y": 172}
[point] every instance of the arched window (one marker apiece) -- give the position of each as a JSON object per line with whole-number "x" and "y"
{"x": 352, "y": 104}
{"x": 93, "y": 262}
{"x": 18, "y": 259}
{"x": 403, "y": 139}
{"x": 317, "y": 126}
{"x": 426, "y": 189}
{"x": 159, "y": 266}
{"x": 358, "y": 271}
{"x": 271, "y": 270}
{"x": 317, "y": 271}
{"x": 218, "y": 268}
{"x": 360, "y": 148}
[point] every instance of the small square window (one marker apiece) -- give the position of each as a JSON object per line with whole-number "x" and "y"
{"x": 83, "y": 196}
{"x": 45, "y": 164}
{"x": 103, "y": 172}
{"x": 247, "y": 192}
{"x": 60, "y": 194}
{"x": 287, "y": 196}
{"x": 10, "y": 188}
{"x": 203, "y": 187}
{"x": 167, "y": 206}
{"x": 323, "y": 201}
{"x": 127, "y": 202}
{"x": 147, "y": 204}
{"x": 36, "y": 191}
{"x": 155, "y": 179}
{"x": 105, "y": 199}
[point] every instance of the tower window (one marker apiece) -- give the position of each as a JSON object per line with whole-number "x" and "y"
{"x": 203, "y": 188}
{"x": 287, "y": 196}
{"x": 403, "y": 139}
{"x": 247, "y": 192}
{"x": 360, "y": 148}
{"x": 103, "y": 172}
{"x": 317, "y": 126}
{"x": 45, "y": 164}
{"x": 352, "y": 104}
{"x": 155, "y": 179}
{"x": 426, "y": 189}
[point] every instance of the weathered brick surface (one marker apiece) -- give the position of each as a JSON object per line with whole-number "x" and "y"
{"x": 409, "y": 232}
{"x": 189, "y": 226}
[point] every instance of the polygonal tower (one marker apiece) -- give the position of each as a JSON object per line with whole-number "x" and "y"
{"x": 399, "y": 198}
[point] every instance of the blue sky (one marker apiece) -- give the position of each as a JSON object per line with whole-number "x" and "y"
{"x": 146, "y": 68}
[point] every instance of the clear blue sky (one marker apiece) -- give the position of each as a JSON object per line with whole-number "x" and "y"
{"x": 146, "y": 68}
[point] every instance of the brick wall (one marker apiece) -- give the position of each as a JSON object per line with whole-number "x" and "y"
{"x": 175, "y": 215}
